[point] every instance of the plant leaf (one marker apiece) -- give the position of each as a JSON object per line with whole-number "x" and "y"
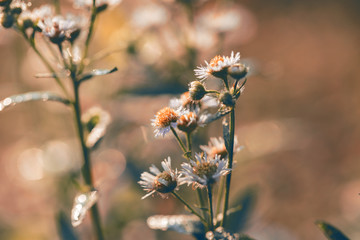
{"x": 97, "y": 72}
{"x": 219, "y": 114}
{"x": 31, "y": 96}
{"x": 187, "y": 224}
{"x": 238, "y": 216}
{"x": 65, "y": 229}
{"x": 331, "y": 232}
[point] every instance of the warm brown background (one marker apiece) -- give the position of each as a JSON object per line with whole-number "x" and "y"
{"x": 298, "y": 120}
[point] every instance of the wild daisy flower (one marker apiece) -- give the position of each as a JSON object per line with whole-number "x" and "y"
{"x": 165, "y": 119}
{"x": 204, "y": 170}
{"x": 31, "y": 18}
{"x": 161, "y": 182}
{"x": 216, "y": 146}
{"x": 217, "y": 66}
{"x": 60, "y": 28}
{"x": 99, "y": 3}
{"x": 96, "y": 121}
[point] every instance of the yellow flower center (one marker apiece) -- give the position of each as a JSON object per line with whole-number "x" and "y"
{"x": 205, "y": 169}
{"x": 166, "y": 116}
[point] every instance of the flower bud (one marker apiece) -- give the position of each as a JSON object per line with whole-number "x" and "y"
{"x": 164, "y": 183}
{"x": 7, "y": 20}
{"x": 227, "y": 99}
{"x": 188, "y": 122}
{"x": 197, "y": 90}
{"x": 238, "y": 71}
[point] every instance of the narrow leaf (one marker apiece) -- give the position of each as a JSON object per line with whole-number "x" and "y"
{"x": 64, "y": 227}
{"x": 238, "y": 216}
{"x": 31, "y": 96}
{"x": 187, "y": 224}
{"x": 213, "y": 117}
{"x": 97, "y": 72}
{"x": 331, "y": 232}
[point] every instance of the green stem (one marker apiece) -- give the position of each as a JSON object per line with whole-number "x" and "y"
{"x": 189, "y": 207}
{"x": 231, "y": 156}
{"x": 210, "y": 198}
{"x": 179, "y": 141}
{"x": 86, "y": 169}
{"x": 88, "y": 38}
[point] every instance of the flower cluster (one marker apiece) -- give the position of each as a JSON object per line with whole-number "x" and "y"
{"x": 201, "y": 170}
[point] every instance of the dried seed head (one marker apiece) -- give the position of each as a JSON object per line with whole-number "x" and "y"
{"x": 196, "y": 90}
{"x": 188, "y": 122}
{"x": 165, "y": 117}
{"x": 238, "y": 71}
{"x": 164, "y": 183}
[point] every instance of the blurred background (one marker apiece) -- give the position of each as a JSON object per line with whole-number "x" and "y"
{"x": 298, "y": 117}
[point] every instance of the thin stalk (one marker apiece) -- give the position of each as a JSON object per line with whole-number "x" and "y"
{"x": 57, "y": 6}
{"x": 179, "y": 141}
{"x": 189, "y": 143}
{"x": 211, "y": 213}
{"x": 88, "y": 38}
{"x": 189, "y": 207}
{"x": 231, "y": 156}
{"x": 86, "y": 169}
{"x": 220, "y": 196}
{"x": 198, "y": 190}
{"x": 50, "y": 68}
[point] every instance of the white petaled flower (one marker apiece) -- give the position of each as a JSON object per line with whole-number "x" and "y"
{"x": 60, "y": 28}
{"x": 217, "y": 66}
{"x": 163, "y": 182}
{"x": 221, "y": 234}
{"x": 204, "y": 171}
{"x": 99, "y": 3}
{"x": 216, "y": 146}
{"x": 165, "y": 119}
{"x": 37, "y": 14}
{"x": 96, "y": 121}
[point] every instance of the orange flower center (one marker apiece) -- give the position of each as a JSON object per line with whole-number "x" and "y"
{"x": 166, "y": 116}
{"x": 215, "y": 61}
{"x": 219, "y": 151}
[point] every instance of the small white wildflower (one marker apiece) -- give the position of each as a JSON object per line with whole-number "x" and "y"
{"x": 165, "y": 119}
{"x": 163, "y": 182}
{"x": 204, "y": 170}
{"x": 36, "y": 15}
{"x": 99, "y": 3}
{"x": 60, "y": 28}
{"x": 96, "y": 120}
{"x": 217, "y": 66}
{"x": 216, "y": 146}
